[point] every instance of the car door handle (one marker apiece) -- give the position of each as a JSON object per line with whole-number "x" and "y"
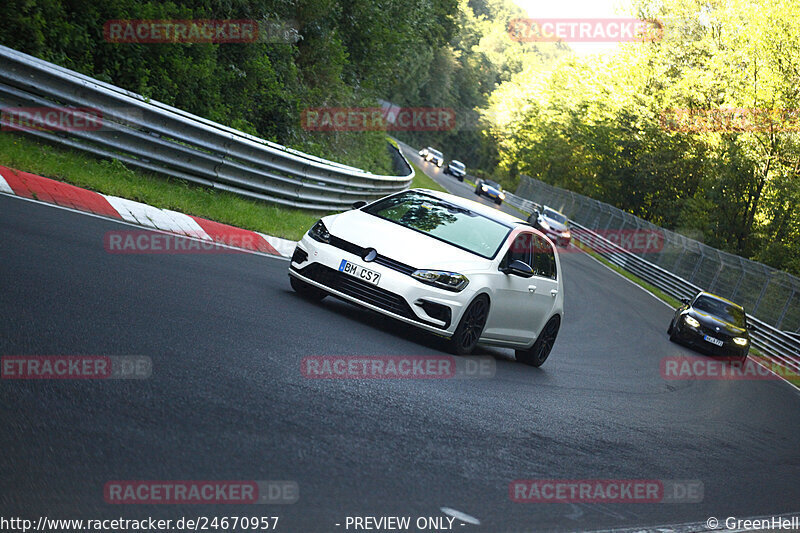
{"x": 553, "y": 292}
{"x": 531, "y": 288}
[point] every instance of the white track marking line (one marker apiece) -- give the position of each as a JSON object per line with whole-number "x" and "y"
{"x": 137, "y": 225}
{"x": 458, "y": 515}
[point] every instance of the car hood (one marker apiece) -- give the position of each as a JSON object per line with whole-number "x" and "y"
{"x": 492, "y": 189}
{"x": 710, "y": 321}
{"x": 555, "y": 225}
{"x": 402, "y": 244}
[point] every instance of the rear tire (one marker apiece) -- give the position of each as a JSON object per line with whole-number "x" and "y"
{"x": 305, "y": 290}
{"x": 541, "y": 349}
{"x": 470, "y": 327}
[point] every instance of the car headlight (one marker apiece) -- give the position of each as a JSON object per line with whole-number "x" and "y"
{"x": 543, "y": 224}
{"x": 741, "y": 341}
{"x": 484, "y": 188}
{"x": 319, "y": 232}
{"x": 502, "y": 195}
{"x": 451, "y": 281}
{"x": 692, "y": 321}
{"x": 566, "y": 234}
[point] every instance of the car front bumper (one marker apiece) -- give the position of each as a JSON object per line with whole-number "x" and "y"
{"x": 397, "y": 294}
{"x": 695, "y": 337}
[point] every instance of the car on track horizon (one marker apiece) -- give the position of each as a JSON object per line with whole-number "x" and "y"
{"x": 713, "y": 324}
{"x": 490, "y": 189}
{"x": 552, "y": 223}
{"x": 450, "y": 266}
{"x": 456, "y": 169}
{"x": 432, "y": 155}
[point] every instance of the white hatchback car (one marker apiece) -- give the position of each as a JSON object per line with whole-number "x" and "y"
{"x": 442, "y": 263}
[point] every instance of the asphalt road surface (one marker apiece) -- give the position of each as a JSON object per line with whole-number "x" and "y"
{"x": 227, "y": 401}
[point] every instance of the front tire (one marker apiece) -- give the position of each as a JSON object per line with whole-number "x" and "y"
{"x": 541, "y": 349}
{"x": 305, "y": 290}
{"x": 498, "y": 202}
{"x": 470, "y": 327}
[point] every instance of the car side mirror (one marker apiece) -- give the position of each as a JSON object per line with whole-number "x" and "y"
{"x": 359, "y": 204}
{"x": 518, "y": 268}
{"x": 751, "y": 326}
{"x": 685, "y": 301}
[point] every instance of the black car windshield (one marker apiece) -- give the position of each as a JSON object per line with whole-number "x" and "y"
{"x": 457, "y": 164}
{"x": 552, "y": 215}
{"x": 492, "y": 184}
{"x": 444, "y": 221}
{"x": 727, "y": 312}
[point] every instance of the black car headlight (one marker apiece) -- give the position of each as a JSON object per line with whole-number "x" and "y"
{"x": 319, "y": 232}
{"x": 451, "y": 281}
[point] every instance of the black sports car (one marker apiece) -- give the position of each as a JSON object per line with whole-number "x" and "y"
{"x": 713, "y": 324}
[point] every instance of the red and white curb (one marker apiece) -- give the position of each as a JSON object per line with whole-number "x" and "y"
{"x": 26, "y": 185}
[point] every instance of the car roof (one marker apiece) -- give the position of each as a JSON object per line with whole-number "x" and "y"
{"x": 457, "y": 161}
{"x": 553, "y": 210}
{"x": 477, "y": 207}
{"x": 720, "y": 298}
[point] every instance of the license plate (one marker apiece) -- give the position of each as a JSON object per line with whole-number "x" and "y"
{"x": 712, "y": 340}
{"x": 357, "y": 271}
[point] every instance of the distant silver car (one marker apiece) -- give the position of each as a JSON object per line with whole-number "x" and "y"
{"x": 433, "y": 155}
{"x": 456, "y": 169}
{"x": 553, "y": 224}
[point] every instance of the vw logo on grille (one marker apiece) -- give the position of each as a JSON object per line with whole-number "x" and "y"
{"x": 370, "y": 255}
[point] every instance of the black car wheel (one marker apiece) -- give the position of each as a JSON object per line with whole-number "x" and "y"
{"x": 461, "y": 178}
{"x": 470, "y": 327}
{"x": 498, "y": 202}
{"x": 305, "y": 290}
{"x": 541, "y": 349}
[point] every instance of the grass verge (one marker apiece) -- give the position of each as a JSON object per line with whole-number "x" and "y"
{"x": 422, "y": 181}
{"x": 114, "y": 178}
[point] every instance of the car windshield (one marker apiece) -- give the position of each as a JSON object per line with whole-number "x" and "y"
{"x": 493, "y": 184}
{"x": 728, "y": 312}
{"x": 553, "y": 215}
{"x": 457, "y": 164}
{"x": 444, "y": 221}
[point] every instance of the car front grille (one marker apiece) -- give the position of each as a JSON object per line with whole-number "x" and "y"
{"x": 361, "y": 290}
{"x": 361, "y": 252}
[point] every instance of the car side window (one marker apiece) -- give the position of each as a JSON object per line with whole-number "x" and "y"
{"x": 544, "y": 259}
{"x": 520, "y": 249}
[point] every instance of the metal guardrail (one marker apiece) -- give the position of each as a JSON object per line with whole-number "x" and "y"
{"x": 154, "y": 136}
{"x": 780, "y": 346}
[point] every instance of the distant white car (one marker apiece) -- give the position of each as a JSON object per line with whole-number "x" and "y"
{"x": 431, "y": 154}
{"x": 444, "y": 264}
